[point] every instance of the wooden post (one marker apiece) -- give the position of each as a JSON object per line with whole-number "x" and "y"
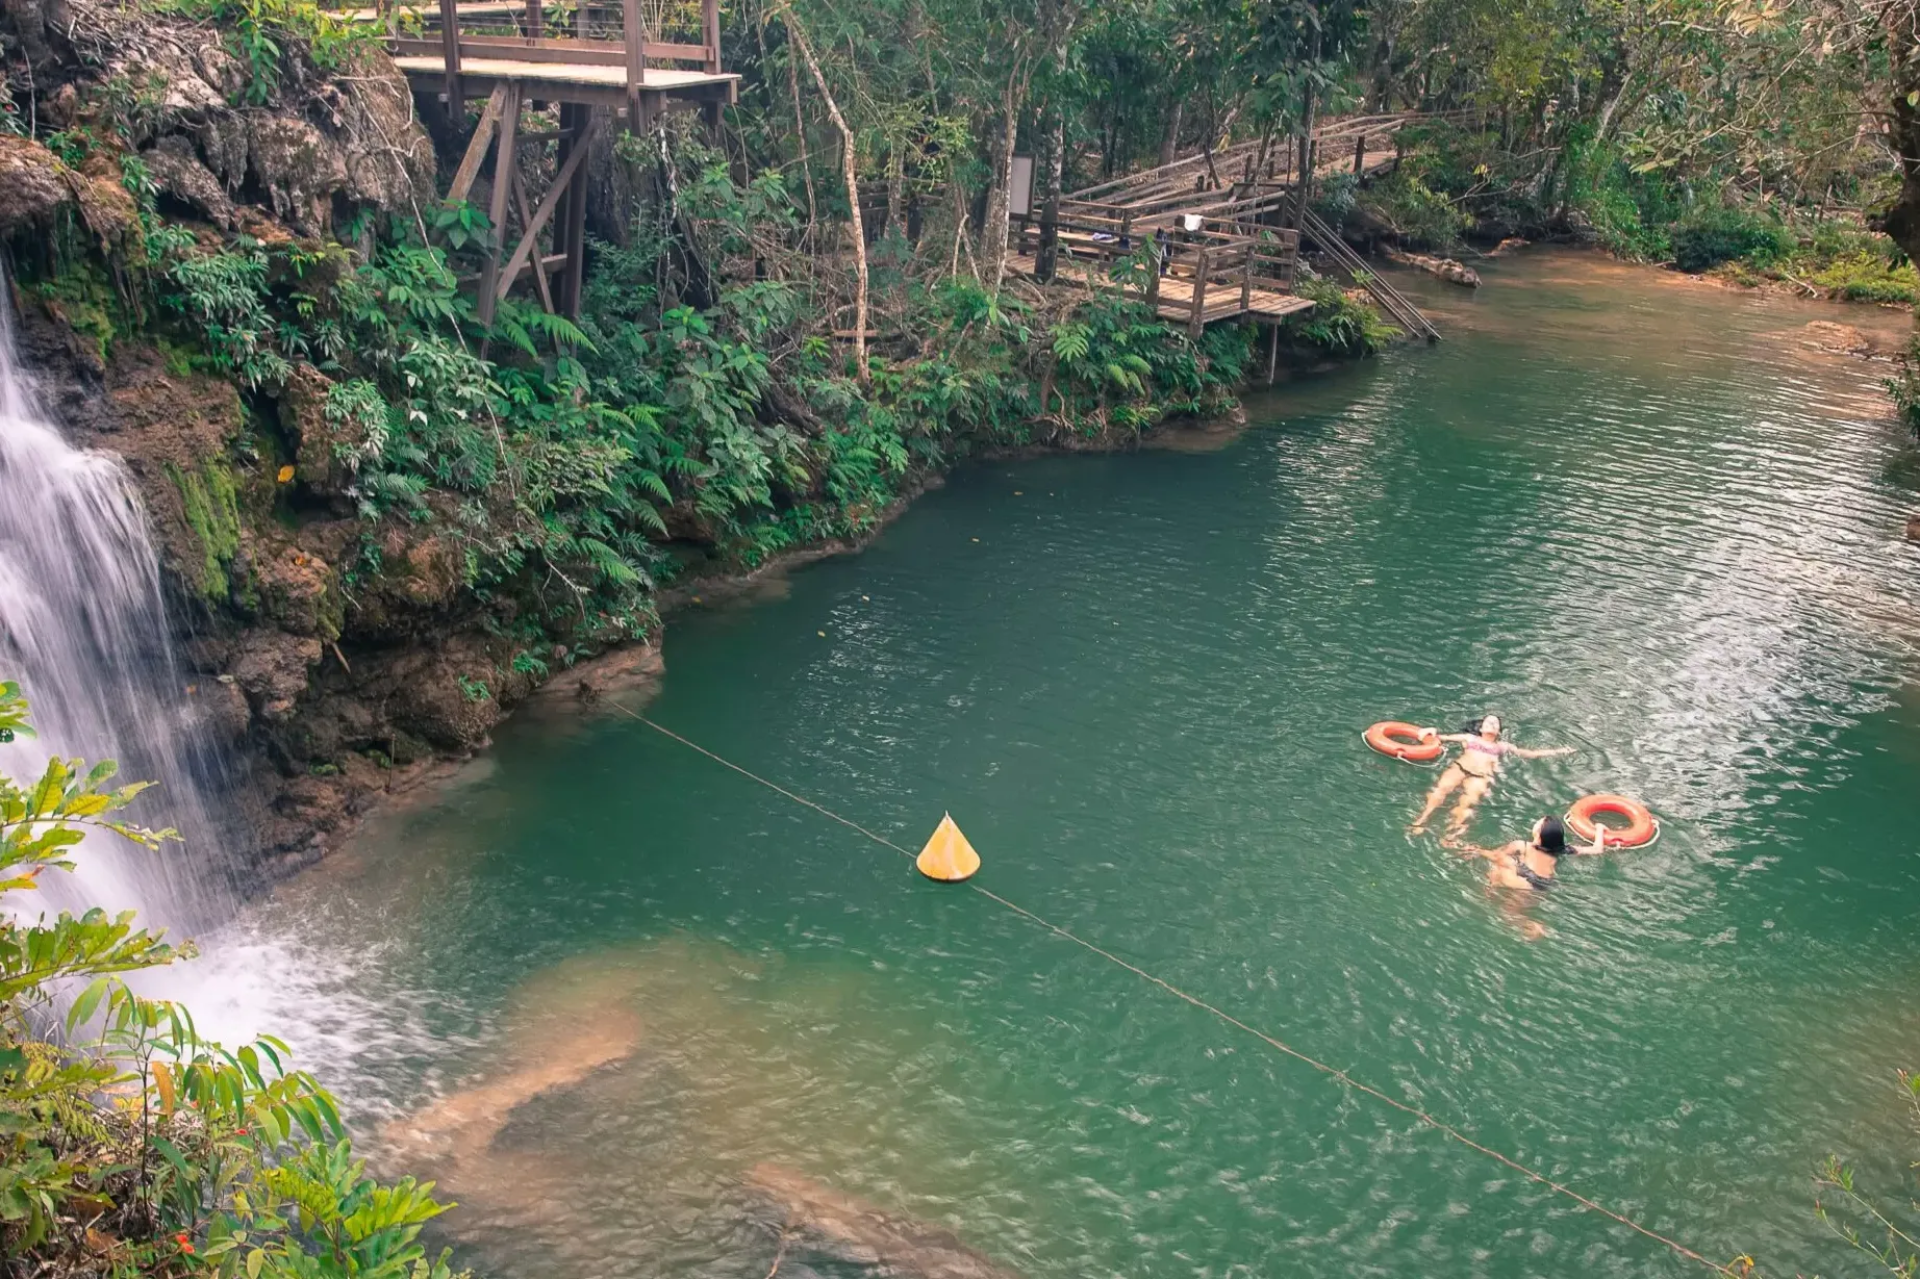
{"x": 1153, "y": 278}
{"x": 1246, "y": 283}
{"x": 710, "y": 33}
{"x": 563, "y": 212}
{"x": 534, "y": 21}
{"x": 450, "y": 51}
{"x": 1359, "y": 155}
{"x": 1195, "y": 324}
{"x": 1273, "y": 352}
{"x": 636, "y": 39}
{"x": 503, "y": 166}
{"x": 572, "y": 279}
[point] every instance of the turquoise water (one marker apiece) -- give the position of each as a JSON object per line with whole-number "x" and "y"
{"x": 1636, "y": 517}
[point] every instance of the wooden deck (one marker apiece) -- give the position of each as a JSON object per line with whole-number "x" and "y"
{"x": 1176, "y": 295}
{"x": 600, "y": 85}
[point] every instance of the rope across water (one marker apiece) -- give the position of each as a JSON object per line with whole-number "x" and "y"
{"x": 1335, "y": 1072}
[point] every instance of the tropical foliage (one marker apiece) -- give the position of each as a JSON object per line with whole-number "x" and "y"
{"x": 130, "y": 1144}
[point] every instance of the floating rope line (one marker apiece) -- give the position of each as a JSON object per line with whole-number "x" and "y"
{"x": 1744, "y": 1266}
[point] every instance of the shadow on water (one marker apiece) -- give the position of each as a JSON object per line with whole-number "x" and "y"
{"x": 648, "y": 1019}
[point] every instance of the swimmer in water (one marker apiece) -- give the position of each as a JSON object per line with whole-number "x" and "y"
{"x": 1528, "y": 864}
{"x": 1473, "y": 773}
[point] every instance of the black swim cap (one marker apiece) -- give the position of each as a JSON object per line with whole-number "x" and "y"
{"x": 1553, "y": 836}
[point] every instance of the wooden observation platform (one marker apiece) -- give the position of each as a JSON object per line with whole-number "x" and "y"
{"x": 625, "y": 60}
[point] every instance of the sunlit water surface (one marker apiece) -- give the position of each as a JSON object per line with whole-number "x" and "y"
{"x": 1636, "y": 516}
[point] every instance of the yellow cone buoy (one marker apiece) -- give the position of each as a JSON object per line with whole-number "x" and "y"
{"x": 947, "y": 855}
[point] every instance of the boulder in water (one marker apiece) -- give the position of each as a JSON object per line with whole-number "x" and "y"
{"x": 1845, "y": 339}
{"x": 862, "y": 1233}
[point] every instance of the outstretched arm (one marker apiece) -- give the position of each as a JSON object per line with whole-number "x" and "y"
{"x": 1489, "y": 854}
{"x": 1548, "y": 753}
{"x": 1599, "y": 844}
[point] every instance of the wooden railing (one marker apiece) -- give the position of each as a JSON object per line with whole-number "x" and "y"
{"x": 1222, "y": 266}
{"x": 637, "y": 35}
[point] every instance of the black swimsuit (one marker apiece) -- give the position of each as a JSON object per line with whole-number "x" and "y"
{"x": 1539, "y": 882}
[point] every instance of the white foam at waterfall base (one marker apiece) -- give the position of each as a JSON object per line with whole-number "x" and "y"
{"x": 84, "y": 630}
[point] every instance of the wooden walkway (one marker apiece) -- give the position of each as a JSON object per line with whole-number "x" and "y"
{"x": 1223, "y": 222}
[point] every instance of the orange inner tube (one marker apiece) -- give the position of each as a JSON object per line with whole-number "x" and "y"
{"x": 1584, "y": 820}
{"x": 1403, "y": 741}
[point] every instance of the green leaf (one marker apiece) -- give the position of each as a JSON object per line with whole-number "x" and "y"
{"x": 89, "y": 1000}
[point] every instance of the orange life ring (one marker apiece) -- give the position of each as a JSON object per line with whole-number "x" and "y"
{"x": 1583, "y": 819}
{"x": 1388, "y": 737}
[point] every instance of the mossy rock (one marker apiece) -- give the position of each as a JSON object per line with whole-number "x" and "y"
{"x": 211, "y": 503}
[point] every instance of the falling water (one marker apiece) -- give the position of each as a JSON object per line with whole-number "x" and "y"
{"x": 83, "y": 629}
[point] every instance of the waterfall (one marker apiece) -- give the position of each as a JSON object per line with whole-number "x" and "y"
{"x": 83, "y": 629}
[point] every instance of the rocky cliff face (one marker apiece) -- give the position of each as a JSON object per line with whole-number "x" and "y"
{"x": 328, "y": 681}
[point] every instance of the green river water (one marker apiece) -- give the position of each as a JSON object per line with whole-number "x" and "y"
{"x": 1635, "y": 516}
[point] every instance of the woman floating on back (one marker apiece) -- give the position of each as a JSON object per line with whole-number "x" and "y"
{"x": 1473, "y": 773}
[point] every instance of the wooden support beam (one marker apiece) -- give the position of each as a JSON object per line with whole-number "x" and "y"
{"x": 572, "y": 281}
{"x": 540, "y": 281}
{"x": 503, "y": 167}
{"x": 450, "y": 50}
{"x": 545, "y": 211}
{"x": 710, "y": 33}
{"x": 477, "y": 148}
{"x": 534, "y": 21}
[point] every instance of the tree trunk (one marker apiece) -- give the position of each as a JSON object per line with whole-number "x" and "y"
{"x": 896, "y": 187}
{"x": 1902, "y": 218}
{"x": 1053, "y": 166}
{"x": 800, "y": 136}
{"x": 851, "y": 170}
{"x": 1170, "y": 136}
{"x": 1307, "y": 160}
{"x": 993, "y": 244}
{"x": 1051, "y": 169}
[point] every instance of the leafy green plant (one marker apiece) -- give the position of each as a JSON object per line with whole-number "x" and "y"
{"x": 1726, "y": 234}
{"x": 1865, "y": 1223}
{"x": 1340, "y": 324}
{"x": 119, "y": 1122}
